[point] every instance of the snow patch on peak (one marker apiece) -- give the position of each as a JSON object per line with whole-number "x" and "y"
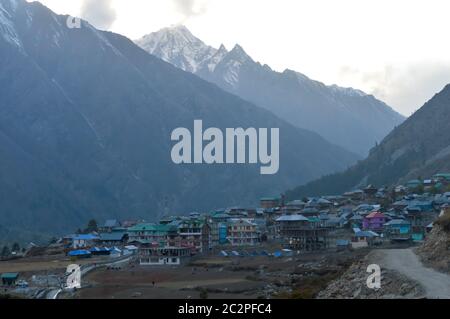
{"x": 181, "y": 29}
{"x": 177, "y": 45}
{"x": 180, "y": 32}
{"x": 239, "y": 48}
{"x": 346, "y": 91}
{"x": 7, "y": 28}
{"x": 29, "y": 17}
{"x": 232, "y": 63}
{"x": 217, "y": 58}
{"x": 10, "y": 5}
{"x": 222, "y": 48}
{"x": 239, "y": 54}
{"x": 231, "y": 75}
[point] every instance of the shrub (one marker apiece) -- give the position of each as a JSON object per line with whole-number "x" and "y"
{"x": 308, "y": 288}
{"x": 204, "y": 294}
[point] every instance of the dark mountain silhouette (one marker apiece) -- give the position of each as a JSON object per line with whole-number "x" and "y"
{"x": 85, "y": 123}
{"x": 420, "y": 147}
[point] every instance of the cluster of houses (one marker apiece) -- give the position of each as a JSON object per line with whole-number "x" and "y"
{"x": 373, "y": 215}
{"x": 172, "y": 239}
{"x": 368, "y": 216}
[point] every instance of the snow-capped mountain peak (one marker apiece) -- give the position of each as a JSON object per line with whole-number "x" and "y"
{"x": 346, "y": 91}
{"x": 212, "y": 63}
{"x": 179, "y": 33}
{"x": 345, "y": 116}
{"x": 222, "y": 48}
{"x": 178, "y": 46}
{"x": 239, "y": 54}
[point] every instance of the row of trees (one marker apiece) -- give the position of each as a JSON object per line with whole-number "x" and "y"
{"x": 92, "y": 226}
{"x": 7, "y": 251}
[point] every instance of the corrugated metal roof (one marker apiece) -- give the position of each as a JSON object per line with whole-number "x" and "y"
{"x": 270, "y": 199}
{"x": 111, "y": 223}
{"x": 397, "y": 222}
{"x": 366, "y": 234}
{"x": 85, "y": 237}
{"x": 150, "y": 227}
{"x": 75, "y": 253}
{"x": 292, "y": 218}
{"x": 10, "y": 275}
{"x": 376, "y": 215}
{"x": 114, "y": 236}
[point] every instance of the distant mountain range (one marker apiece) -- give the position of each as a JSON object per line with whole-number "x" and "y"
{"x": 420, "y": 147}
{"x": 344, "y": 116}
{"x": 85, "y": 123}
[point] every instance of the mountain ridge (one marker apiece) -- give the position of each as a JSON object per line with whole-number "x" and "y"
{"x": 85, "y": 124}
{"x": 418, "y": 148}
{"x": 347, "y": 117}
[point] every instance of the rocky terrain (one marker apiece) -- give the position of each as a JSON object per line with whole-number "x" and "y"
{"x": 352, "y": 284}
{"x": 435, "y": 252}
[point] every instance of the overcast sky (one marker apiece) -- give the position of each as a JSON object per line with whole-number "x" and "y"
{"x": 397, "y": 50}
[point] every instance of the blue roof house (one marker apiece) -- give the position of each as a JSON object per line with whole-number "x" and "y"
{"x": 363, "y": 239}
{"x": 84, "y": 240}
{"x": 80, "y": 253}
{"x": 9, "y": 279}
{"x": 398, "y": 230}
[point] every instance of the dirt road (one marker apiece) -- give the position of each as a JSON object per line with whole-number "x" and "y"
{"x": 406, "y": 262}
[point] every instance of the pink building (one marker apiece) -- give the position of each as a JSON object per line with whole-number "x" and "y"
{"x": 374, "y": 221}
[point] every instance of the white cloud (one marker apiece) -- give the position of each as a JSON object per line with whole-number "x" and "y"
{"x": 100, "y": 13}
{"x": 190, "y": 8}
{"x": 405, "y": 87}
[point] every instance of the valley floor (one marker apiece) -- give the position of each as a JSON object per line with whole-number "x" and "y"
{"x": 323, "y": 274}
{"x": 300, "y": 276}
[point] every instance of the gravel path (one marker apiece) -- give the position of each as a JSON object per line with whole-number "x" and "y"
{"x": 406, "y": 262}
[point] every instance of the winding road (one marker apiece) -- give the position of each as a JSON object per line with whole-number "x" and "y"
{"x": 406, "y": 262}
{"x": 53, "y": 293}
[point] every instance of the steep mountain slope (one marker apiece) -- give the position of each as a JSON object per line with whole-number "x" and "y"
{"x": 419, "y": 147}
{"x": 85, "y": 124}
{"x": 346, "y": 117}
{"x": 434, "y": 251}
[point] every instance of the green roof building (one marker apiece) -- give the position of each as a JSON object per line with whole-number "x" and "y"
{"x": 151, "y": 233}
{"x": 442, "y": 176}
{"x": 414, "y": 183}
{"x": 9, "y": 279}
